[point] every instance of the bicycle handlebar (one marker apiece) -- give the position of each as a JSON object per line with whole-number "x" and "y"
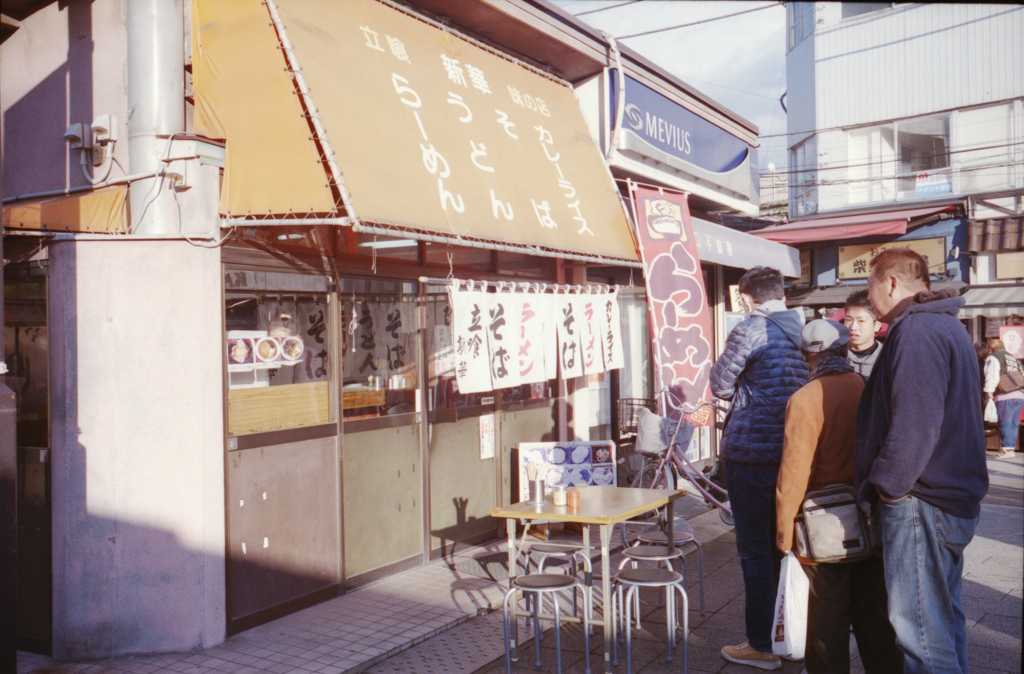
{"x": 681, "y": 404}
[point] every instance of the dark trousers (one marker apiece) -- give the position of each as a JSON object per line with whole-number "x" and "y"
{"x": 752, "y": 496}
{"x": 848, "y": 594}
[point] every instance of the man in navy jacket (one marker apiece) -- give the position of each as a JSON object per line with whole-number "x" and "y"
{"x": 920, "y": 458}
{"x": 760, "y": 368}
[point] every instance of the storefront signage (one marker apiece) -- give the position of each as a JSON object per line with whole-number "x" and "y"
{"x": 486, "y": 436}
{"x": 1013, "y": 339}
{"x": 506, "y": 339}
{"x": 932, "y": 183}
{"x": 735, "y": 303}
{"x": 379, "y": 343}
{"x": 672, "y": 128}
{"x": 805, "y": 267}
{"x": 676, "y": 300}
{"x": 434, "y": 133}
{"x": 855, "y": 261}
{"x": 572, "y": 464}
{"x": 1009, "y": 266}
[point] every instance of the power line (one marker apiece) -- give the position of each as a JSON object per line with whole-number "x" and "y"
{"x": 837, "y": 167}
{"x": 697, "y": 23}
{"x": 888, "y": 121}
{"x": 896, "y": 177}
{"x": 722, "y": 86}
{"x": 621, "y": 4}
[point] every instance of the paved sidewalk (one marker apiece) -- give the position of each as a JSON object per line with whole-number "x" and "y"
{"x": 438, "y": 618}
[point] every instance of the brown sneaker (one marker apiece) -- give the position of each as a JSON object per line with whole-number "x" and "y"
{"x": 744, "y": 654}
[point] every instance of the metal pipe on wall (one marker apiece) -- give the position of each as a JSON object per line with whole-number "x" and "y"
{"x": 156, "y": 106}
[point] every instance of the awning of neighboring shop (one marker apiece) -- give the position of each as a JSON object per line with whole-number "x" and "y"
{"x": 98, "y": 211}
{"x": 994, "y": 301}
{"x": 836, "y": 295}
{"x": 721, "y": 245}
{"x": 847, "y": 227}
{"x": 362, "y": 113}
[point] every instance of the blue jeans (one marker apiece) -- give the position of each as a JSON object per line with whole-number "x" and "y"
{"x": 752, "y": 496}
{"x": 1009, "y": 420}
{"x": 924, "y": 562}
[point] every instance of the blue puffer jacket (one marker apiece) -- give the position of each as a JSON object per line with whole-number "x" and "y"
{"x": 759, "y": 370}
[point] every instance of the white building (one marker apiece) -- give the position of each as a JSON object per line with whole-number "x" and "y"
{"x": 907, "y": 120}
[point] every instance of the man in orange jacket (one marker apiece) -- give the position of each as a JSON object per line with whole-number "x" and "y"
{"x": 817, "y": 452}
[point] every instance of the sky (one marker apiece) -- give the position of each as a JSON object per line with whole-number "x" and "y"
{"x": 739, "y": 61}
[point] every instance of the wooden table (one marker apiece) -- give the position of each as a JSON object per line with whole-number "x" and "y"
{"x": 604, "y": 506}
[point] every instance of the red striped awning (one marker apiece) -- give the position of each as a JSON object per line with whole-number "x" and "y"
{"x": 847, "y": 226}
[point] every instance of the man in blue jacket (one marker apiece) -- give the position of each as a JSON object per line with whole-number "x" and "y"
{"x": 761, "y": 367}
{"x": 920, "y": 458}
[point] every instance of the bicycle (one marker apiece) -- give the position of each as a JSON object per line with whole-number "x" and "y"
{"x": 656, "y": 438}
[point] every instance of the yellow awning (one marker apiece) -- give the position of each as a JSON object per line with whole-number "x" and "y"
{"x": 431, "y": 132}
{"x": 244, "y": 96}
{"x": 99, "y": 211}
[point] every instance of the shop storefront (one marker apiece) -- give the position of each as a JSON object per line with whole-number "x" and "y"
{"x": 837, "y": 251}
{"x": 341, "y": 403}
{"x": 251, "y": 407}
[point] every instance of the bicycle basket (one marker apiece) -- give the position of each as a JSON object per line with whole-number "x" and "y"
{"x": 655, "y": 433}
{"x": 629, "y": 412}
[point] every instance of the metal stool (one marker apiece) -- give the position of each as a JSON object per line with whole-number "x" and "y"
{"x": 683, "y": 536}
{"x": 635, "y": 579}
{"x": 540, "y": 584}
{"x": 649, "y": 553}
{"x": 540, "y": 553}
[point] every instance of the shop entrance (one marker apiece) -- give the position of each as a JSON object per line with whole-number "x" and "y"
{"x": 283, "y": 460}
{"x": 26, "y": 353}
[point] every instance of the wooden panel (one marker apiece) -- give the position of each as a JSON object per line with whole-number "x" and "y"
{"x": 282, "y": 512}
{"x": 353, "y": 399}
{"x": 461, "y": 484}
{"x": 255, "y": 410}
{"x": 383, "y": 497}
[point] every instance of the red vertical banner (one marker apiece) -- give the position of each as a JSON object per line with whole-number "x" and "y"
{"x": 676, "y": 302}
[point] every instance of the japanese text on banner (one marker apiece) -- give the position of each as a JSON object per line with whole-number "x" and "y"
{"x": 676, "y": 301}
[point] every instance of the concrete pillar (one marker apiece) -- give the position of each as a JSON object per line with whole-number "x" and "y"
{"x": 138, "y": 455}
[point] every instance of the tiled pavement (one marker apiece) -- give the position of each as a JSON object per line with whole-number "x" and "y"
{"x": 439, "y": 619}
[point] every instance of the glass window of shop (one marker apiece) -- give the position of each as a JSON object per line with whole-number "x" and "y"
{"x": 985, "y": 149}
{"x": 277, "y": 350}
{"x": 804, "y": 186}
{"x": 871, "y": 157}
{"x": 380, "y": 328}
{"x": 923, "y": 146}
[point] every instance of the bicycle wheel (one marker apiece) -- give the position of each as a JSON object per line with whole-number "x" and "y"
{"x": 651, "y": 478}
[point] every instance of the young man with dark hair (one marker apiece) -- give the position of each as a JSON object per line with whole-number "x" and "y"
{"x": 759, "y": 369}
{"x": 920, "y": 458}
{"x": 862, "y": 322}
{"x": 818, "y": 452}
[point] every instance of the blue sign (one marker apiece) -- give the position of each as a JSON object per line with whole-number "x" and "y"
{"x": 672, "y": 128}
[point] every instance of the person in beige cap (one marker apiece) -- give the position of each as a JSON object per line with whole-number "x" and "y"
{"x": 818, "y": 451}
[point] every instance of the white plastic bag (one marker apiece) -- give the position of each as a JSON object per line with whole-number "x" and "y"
{"x": 991, "y": 413}
{"x": 789, "y": 631}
